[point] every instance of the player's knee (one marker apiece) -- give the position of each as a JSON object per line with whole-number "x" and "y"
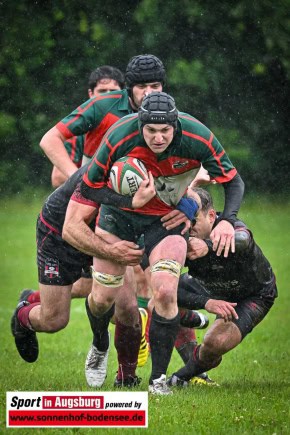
{"x": 164, "y": 295}
{"x": 216, "y": 343}
{"x": 56, "y": 323}
{"x": 129, "y": 315}
{"x": 102, "y": 306}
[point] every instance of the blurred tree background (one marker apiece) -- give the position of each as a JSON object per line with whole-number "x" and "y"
{"x": 228, "y": 64}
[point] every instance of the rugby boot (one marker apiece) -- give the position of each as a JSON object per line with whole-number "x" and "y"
{"x": 175, "y": 381}
{"x": 25, "y": 339}
{"x": 129, "y": 382}
{"x": 159, "y": 387}
{"x": 24, "y": 294}
{"x": 203, "y": 379}
{"x": 96, "y": 366}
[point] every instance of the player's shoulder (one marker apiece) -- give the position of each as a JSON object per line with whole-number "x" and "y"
{"x": 109, "y": 98}
{"x": 192, "y": 125}
{"x": 239, "y": 224}
{"x": 126, "y": 122}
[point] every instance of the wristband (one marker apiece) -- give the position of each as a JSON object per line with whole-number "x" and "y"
{"x": 189, "y": 207}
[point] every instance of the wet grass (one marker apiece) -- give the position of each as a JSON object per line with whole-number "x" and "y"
{"x": 254, "y": 378}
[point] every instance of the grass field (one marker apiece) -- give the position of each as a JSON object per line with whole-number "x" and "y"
{"x": 254, "y": 395}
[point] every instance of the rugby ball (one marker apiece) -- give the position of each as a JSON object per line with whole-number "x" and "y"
{"x": 126, "y": 175}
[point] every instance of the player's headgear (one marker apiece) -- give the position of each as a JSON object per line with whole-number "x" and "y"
{"x": 145, "y": 68}
{"x": 158, "y": 108}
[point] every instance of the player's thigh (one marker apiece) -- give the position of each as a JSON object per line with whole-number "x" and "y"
{"x": 59, "y": 264}
{"x": 170, "y": 248}
{"x": 251, "y": 312}
{"x": 114, "y": 224}
{"x": 82, "y": 288}
{"x": 55, "y": 301}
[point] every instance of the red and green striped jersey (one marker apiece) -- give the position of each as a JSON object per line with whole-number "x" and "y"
{"x": 75, "y": 149}
{"x": 173, "y": 170}
{"x": 94, "y": 117}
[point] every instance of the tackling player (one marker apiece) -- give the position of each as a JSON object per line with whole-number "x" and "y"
{"x": 240, "y": 290}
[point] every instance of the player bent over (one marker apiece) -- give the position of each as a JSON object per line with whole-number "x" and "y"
{"x": 240, "y": 290}
{"x": 59, "y": 266}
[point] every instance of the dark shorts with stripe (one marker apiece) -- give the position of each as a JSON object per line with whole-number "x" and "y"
{"x": 58, "y": 262}
{"x": 250, "y": 310}
{"x": 146, "y": 231}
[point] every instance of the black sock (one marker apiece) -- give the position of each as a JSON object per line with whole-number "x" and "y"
{"x": 186, "y": 350}
{"x": 195, "y": 367}
{"x": 99, "y": 326}
{"x": 162, "y": 336}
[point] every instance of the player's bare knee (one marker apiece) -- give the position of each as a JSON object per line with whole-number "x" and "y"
{"x": 165, "y": 296}
{"x": 103, "y": 307}
{"x": 55, "y": 324}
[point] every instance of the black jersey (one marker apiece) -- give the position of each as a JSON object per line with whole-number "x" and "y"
{"x": 54, "y": 209}
{"x": 245, "y": 273}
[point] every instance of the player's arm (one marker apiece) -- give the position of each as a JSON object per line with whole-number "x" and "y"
{"x": 184, "y": 212}
{"x": 223, "y": 234}
{"x": 215, "y": 160}
{"x": 76, "y": 232}
{"x": 192, "y": 295}
{"x": 84, "y": 118}
{"x": 197, "y": 248}
{"x": 74, "y": 148}
{"x": 52, "y": 144}
{"x": 107, "y": 196}
{"x": 222, "y": 308}
{"x": 57, "y": 177}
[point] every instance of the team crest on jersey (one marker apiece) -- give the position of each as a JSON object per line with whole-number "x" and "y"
{"x": 179, "y": 164}
{"x": 51, "y": 268}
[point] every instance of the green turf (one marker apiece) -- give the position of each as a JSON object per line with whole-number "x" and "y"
{"x": 255, "y": 388}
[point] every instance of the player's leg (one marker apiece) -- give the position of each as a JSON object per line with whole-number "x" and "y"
{"x": 144, "y": 294}
{"x": 128, "y": 330}
{"x": 52, "y": 314}
{"x": 224, "y": 336}
{"x": 166, "y": 260}
{"x": 108, "y": 279}
{"x": 82, "y": 288}
{"x": 220, "y": 338}
{"x": 57, "y": 271}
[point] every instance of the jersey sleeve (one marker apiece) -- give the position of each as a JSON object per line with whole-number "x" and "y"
{"x": 81, "y": 120}
{"x": 216, "y": 161}
{"x": 204, "y": 147}
{"x": 77, "y": 197}
{"x": 75, "y": 149}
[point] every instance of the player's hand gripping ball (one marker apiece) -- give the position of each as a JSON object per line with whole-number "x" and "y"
{"x": 126, "y": 175}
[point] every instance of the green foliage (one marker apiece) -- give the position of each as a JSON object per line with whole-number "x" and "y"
{"x": 254, "y": 377}
{"x": 227, "y": 64}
